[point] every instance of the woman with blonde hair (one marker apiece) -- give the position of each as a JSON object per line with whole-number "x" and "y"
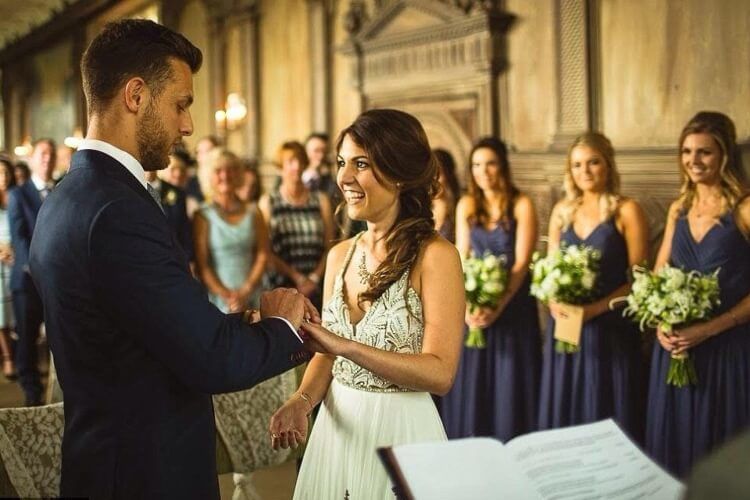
{"x": 497, "y": 387}
{"x": 707, "y": 229}
{"x": 604, "y": 377}
{"x": 230, "y": 238}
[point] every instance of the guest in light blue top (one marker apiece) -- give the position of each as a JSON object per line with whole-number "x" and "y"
{"x": 231, "y": 243}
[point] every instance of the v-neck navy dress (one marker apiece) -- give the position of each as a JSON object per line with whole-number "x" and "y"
{"x": 684, "y": 424}
{"x": 497, "y": 388}
{"x": 605, "y": 377}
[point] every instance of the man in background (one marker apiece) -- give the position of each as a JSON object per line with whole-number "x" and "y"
{"x": 24, "y": 203}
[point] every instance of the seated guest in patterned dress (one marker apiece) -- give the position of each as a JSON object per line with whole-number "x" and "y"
{"x": 707, "y": 229}
{"x": 300, "y": 226}
{"x": 393, "y": 317}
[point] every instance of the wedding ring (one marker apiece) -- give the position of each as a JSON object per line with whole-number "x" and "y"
{"x": 274, "y": 435}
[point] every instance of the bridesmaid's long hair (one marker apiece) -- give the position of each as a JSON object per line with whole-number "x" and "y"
{"x": 573, "y": 196}
{"x": 733, "y": 182}
{"x": 509, "y": 190}
{"x": 398, "y": 147}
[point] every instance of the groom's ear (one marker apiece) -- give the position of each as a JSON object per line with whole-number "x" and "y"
{"x": 135, "y": 94}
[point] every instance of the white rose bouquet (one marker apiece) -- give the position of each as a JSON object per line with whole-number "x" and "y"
{"x": 670, "y": 297}
{"x": 566, "y": 275}
{"x": 485, "y": 280}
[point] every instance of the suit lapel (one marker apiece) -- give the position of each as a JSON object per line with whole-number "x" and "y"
{"x": 89, "y": 158}
{"x": 33, "y": 198}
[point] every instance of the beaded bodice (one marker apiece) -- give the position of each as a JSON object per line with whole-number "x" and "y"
{"x": 393, "y": 323}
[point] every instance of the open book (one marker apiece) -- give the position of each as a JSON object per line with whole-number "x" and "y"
{"x": 583, "y": 462}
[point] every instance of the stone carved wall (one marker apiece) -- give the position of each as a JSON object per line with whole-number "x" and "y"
{"x": 439, "y": 60}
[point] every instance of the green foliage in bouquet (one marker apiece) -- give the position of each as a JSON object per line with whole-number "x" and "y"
{"x": 485, "y": 281}
{"x": 566, "y": 275}
{"x": 670, "y": 297}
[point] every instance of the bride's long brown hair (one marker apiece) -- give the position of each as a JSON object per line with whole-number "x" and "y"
{"x": 398, "y": 147}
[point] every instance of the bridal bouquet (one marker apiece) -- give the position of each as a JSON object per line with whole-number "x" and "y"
{"x": 485, "y": 280}
{"x": 670, "y": 297}
{"x": 566, "y": 275}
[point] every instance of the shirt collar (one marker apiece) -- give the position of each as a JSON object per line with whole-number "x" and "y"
{"x": 128, "y": 161}
{"x": 39, "y": 184}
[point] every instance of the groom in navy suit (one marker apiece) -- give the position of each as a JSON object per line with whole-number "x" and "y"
{"x": 138, "y": 347}
{"x": 23, "y": 207}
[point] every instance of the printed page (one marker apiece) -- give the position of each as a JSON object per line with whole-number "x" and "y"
{"x": 476, "y": 468}
{"x": 590, "y": 461}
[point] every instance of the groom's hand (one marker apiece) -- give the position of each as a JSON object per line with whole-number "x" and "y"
{"x": 286, "y": 303}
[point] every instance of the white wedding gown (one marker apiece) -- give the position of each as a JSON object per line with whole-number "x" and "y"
{"x": 361, "y": 411}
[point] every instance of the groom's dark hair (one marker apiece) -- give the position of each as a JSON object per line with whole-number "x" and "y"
{"x": 129, "y": 48}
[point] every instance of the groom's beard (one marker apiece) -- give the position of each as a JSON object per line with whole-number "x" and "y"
{"x": 153, "y": 141}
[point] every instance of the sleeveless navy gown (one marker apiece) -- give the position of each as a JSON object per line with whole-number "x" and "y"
{"x": 605, "y": 377}
{"x": 496, "y": 388}
{"x": 684, "y": 424}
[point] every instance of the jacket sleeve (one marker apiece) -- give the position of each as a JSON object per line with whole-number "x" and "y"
{"x": 152, "y": 297}
{"x": 184, "y": 231}
{"x": 20, "y": 232}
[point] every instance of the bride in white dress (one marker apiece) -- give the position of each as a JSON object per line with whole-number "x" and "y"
{"x": 392, "y": 319}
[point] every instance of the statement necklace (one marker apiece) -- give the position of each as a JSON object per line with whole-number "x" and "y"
{"x": 362, "y": 272}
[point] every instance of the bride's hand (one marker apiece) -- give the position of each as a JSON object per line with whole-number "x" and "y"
{"x": 288, "y": 426}
{"x": 318, "y": 339}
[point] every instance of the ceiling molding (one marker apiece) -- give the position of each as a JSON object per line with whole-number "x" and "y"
{"x": 29, "y": 25}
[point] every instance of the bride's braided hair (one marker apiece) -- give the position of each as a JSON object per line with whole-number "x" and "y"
{"x": 398, "y": 147}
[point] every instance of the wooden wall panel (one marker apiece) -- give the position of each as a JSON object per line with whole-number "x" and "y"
{"x": 662, "y": 61}
{"x": 530, "y": 76}
{"x": 284, "y": 73}
{"x": 194, "y": 25}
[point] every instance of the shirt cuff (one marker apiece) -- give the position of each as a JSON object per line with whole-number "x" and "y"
{"x": 290, "y": 327}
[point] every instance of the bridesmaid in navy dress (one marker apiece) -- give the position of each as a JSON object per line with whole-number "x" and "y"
{"x": 707, "y": 229}
{"x": 496, "y": 388}
{"x": 605, "y": 377}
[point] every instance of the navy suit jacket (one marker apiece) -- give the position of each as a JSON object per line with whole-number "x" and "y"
{"x": 24, "y": 202}
{"x": 174, "y": 202}
{"x": 138, "y": 348}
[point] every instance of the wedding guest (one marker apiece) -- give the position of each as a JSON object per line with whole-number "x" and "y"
{"x": 24, "y": 203}
{"x": 176, "y": 174}
{"x": 250, "y": 188}
{"x": 495, "y": 393}
{"x": 300, "y": 224}
{"x": 231, "y": 247}
{"x": 62, "y": 163}
{"x": 7, "y": 320}
{"x": 199, "y": 180}
{"x": 392, "y": 317}
{"x": 707, "y": 229}
{"x": 444, "y": 204}
{"x": 604, "y": 377}
{"x": 174, "y": 205}
{"x": 231, "y": 242}
{"x": 21, "y": 172}
{"x": 318, "y": 175}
